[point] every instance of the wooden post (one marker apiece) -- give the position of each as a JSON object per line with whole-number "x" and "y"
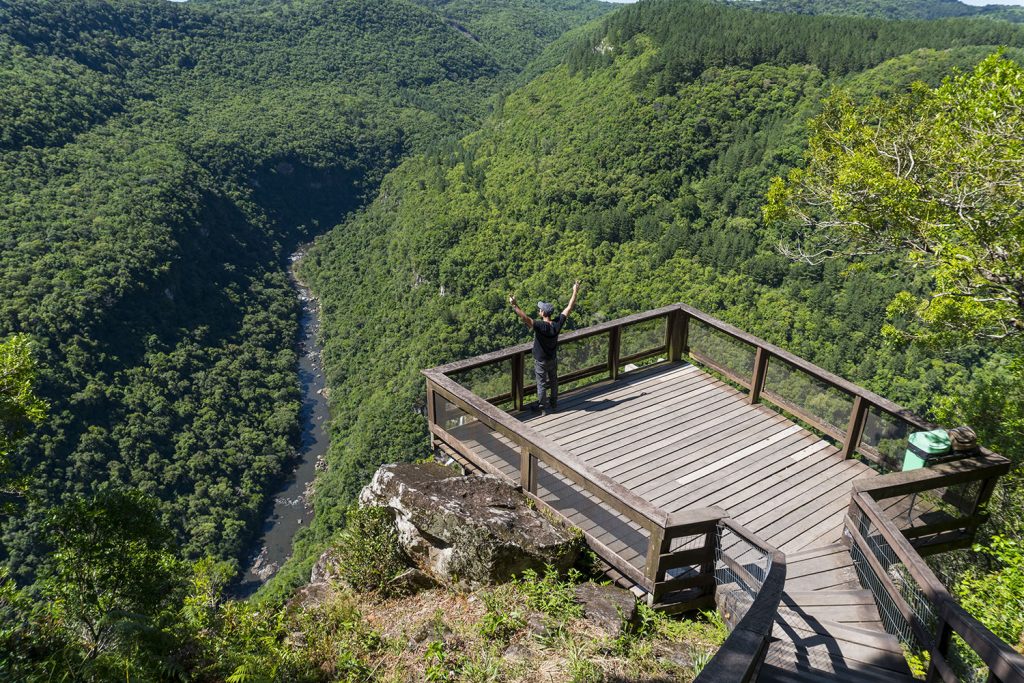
{"x": 518, "y": 363}
{"x": 655, "y": 547}
{"x": 760, "y": 370}
{"x": 942, "y": 648}
{"x": 684, "y": 334}
{"x": 528, "y": 470}
{"x": 671, "y": 335}
{"x": 431, "y": 415}
{"x": 614, "y": 340}
{"x": 855, "y": 428}
{"x": 984, "y": 493}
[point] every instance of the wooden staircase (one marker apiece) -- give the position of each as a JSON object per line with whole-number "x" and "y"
{"x": 827, "y": 627}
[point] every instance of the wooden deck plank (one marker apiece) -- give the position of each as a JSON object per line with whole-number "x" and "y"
{"x": 666, "y": 438}
{"x": 700, "y": 442}
{"x": 690, "y": 446}
{"x": 628, "y": 424}
{"x": 661, "y": 433}
{"x": 819, "y": 509}
{"x": 747, "y": 450}
{"x": 804, "y": 484}
{"x": 684, "y": 408}
{"x": 716, "y": 463}
{"x": 775, "y": 465}
{"x": 671, "y": 490}
{"x": 627, "y": 385}
{"x": 777, "y": 483}
{"x": 580, "y": 421}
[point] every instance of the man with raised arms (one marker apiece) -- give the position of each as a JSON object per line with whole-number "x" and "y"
{"x": 545, "y": 346}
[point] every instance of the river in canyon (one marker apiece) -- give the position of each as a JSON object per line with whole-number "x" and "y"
{"x": 292, "y": 507}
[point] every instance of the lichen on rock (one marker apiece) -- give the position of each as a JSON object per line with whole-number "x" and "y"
{"x": 467, "y": 531}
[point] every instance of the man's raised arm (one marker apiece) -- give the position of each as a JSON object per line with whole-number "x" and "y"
{"x": 527, "y": 320}
{"x": 572, "y": 299}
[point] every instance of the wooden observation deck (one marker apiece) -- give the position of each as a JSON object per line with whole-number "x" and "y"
{"x": 695, "y": 458}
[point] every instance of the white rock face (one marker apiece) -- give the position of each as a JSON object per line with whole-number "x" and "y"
{"x": 467, "y": 531}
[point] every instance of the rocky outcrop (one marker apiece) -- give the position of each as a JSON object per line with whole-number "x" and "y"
{"x": 467, "y": 532}
{"x": 610, "y": 608}
{"x": 411, "y": 581}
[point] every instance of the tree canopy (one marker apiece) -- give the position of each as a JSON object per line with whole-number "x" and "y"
{"x": 20, "y": 406}
{"x": 934, "y": 175}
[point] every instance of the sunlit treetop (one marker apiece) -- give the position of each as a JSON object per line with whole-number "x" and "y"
{"x": 935, "y": 174}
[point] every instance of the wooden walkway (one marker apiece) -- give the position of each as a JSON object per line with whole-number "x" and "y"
{"x": 680, "y": 438}
{"x": 827, "y": 626}
{"x": 702, "y": 485}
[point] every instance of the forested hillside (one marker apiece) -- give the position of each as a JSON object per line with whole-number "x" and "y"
{"x": 638, "y": 165}
{"x": 888, "y": 9}
{"x": 160, "y": 161}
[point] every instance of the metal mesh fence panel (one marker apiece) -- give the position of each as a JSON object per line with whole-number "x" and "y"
{"x": 732, "y": 551}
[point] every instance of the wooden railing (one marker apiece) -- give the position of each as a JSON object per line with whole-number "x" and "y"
{"x": 614, "y": 336}
{"x": 663, "y": 530}
{"x": 740, "y": 657}
{"x": 958, "y": 492}
{"x": 678, "y": 571}
{"x": 859, "y": 421}
{"x": 914, "y": 604}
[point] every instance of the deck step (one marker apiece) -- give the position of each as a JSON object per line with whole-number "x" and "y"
{"x": 875, "y": 648}
{"x": 807, "y": 673}
{"x": 828, "y": 628}
{"x": 857, "y": 616}
{"x": 850, "y": 608}
{"x": 826, "y": 568}
{"x": 811, "y": 553}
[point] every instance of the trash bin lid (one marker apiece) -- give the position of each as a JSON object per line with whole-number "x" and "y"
{"x": 934, "y": 442}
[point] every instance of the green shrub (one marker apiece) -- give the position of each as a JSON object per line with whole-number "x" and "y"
{"x": 503, "y": 618}
{"x": 369, "y": 556}
{"x": 550, "y": 594}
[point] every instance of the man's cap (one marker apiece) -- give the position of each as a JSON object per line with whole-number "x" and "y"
{"x": 545, "y": 308}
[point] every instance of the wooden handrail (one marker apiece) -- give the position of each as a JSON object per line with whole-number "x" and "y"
{"x": 622, "y": 499}
{"x": 810, "y": 368}
{"x": 679, "y": 317}
{"x": 1002, "y": 660}
{"x": 983, "y": 466}
{"x": 575, "y": 335}
{"x": 739, "y": 658}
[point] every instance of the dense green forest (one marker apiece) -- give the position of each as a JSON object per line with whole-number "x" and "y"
{"x": 159, "y": 163}
{"x": 888, "y": 9}
{"x": 639, "y": 165}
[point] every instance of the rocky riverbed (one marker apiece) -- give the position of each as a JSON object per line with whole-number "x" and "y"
{"x": 292, "y": 508}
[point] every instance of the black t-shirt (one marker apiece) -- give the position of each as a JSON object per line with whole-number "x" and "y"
{"x": 545, "y": 337}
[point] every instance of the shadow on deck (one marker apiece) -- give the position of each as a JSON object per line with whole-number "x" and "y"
{"x": 679, "y": 438}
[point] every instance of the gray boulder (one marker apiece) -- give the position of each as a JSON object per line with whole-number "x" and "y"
{"x": 411, "y": 581}
{"x": 464, "y": 531}
{"x": 610, "y": 608}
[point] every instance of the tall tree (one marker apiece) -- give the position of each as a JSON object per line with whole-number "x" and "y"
{"x": 935, "y": 174}
{"x": 20, "y": 407}
{"x": 113, "y": 577}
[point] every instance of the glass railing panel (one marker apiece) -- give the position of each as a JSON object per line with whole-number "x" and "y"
{"x": 821, "y": 404}
{"x": 724, "y": 352}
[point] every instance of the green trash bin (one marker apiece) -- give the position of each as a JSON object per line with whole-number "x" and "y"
{"x": 924, "y": 447}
